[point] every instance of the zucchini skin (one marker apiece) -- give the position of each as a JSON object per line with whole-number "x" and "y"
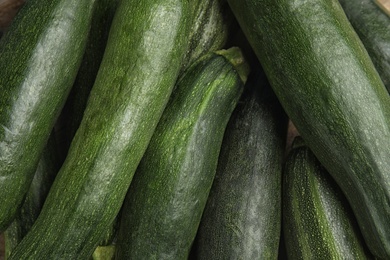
{"x": 317, "y": 219}
{"x": 39, "y": 58}
{"x": 372, "y": 25}
{"x": 330, "y": 89}
{"x": 146, "y": 44}
{"x": 48, "y": 166}
{"x": 164, "y": 204}
{"x": 71, "y": 115}
{"x": 242, "y": 218}
{"x": 73, "y": 110}
{"x": 210, "y": 31}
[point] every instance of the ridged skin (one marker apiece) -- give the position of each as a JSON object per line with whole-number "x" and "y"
{"x": 330, "y": 89}
{"x": 51, "y": 160}
{"x": 39, "y": 58}
{"x": 166, "y": 199}
{"x": 373, "y": 27}
{"x": 318, "y": 222}
{"x": 242, "y": 218}
{"x": 146, "y": 44}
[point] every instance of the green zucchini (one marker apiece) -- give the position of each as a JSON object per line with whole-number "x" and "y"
{"x": 163, "y": 207}
{"x": 210, "y": 31}
{"x": 39, "y": 58}
{"x": 145, "y": 47}
{"x": 372, "y": 25}
{"x": 48, "y": 166}
{"x": 73, "y": 110}
{"x": 317, "y": 219}
{"x": 242, "y": 218}
{"x": 328, "y": 86}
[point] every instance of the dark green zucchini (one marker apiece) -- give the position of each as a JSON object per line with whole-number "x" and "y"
{"x": 372, "y": 25}
{"x": 73, "y": 111}
{"x": 242, "y": 218}
{"x": 328, "y": 86}
{"x": 145, "y": 47}
{"x": 210, "y": 31}
{"x": 39, "y": 58}
{"x": 163, "y": 207}
{"x": 48, "y": 166}
{"x": 317, "y": 219}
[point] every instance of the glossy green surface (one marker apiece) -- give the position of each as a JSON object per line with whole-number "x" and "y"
{"x": 330, "y": 89}
{"x": 166, "y": 199}
{"x": 373, "y": 27}
{"x": 39, "y": 58}
{"x": 242, "y": 218}
{"x": 146, "y": 44}
{"x": 318, "y": 222}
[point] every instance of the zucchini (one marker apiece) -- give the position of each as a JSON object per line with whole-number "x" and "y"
{"x": 48, "y": 166}
{"x": 39, "y": 58}
{"x": 73, "y": 110}
{"x": 372, "y": 25}
{"x": 328, "y": 86}
{"x": 317, "y": 219}
{"x": 163, "y": 207}
{"x": 242, "y": 218}
{"x": 145, "y": 47}
{"x": 210, "y": 31}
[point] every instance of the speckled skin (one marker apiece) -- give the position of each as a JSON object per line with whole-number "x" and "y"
{"x": 318, "y": 222}
{"x": 162, "y": 210}
{"x": 242, "y": 218}
{"x": 330, "y": 89}
{"x": 373, "y": 27}
{"x": 146, "y": 44}
{"x": 39, "y": 59}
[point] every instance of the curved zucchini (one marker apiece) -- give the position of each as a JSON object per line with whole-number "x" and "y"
{"x": 328, "y": 86}
{"x": 317, "y": 219}
{"x": 166, "y": 199}
{"x": 146, "y": 44}
{"x": 242, "y": 218}
{"x": 372, "y": 25}
{"x": 39, "y": 58}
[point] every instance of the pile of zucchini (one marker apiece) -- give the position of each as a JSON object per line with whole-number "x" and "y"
{"x": 156, "y": 129}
